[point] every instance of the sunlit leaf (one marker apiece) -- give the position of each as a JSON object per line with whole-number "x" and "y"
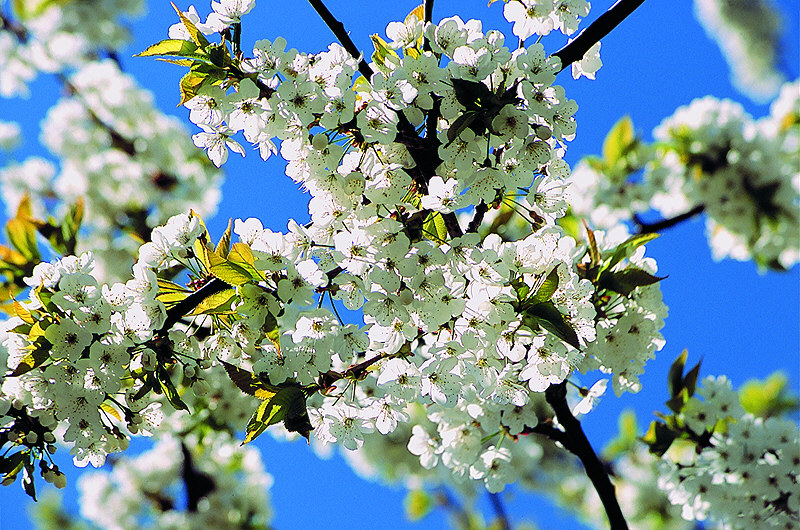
{"x": 618, "y": 141}
{"x": 215, "y": 303}
{"x": 224, "y": 244}
{"x": 546, "y": 290}
{"x": 169, "y": 389}
{"x": 249, "y": 383}
{"x": 197, "y": 37}
{"x": 675, "y": 377}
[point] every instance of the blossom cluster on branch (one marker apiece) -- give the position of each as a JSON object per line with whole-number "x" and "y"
{"x": 464, "y": 328}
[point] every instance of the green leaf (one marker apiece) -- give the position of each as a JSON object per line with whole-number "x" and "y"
{"x": 625, "y": 281}
{"x": 618, "y": 141}
{"x": 28, "y": 478}
{"x": 12, "y": 462}
{"x": 418, "y": 504}
{"x": 23, "y": 313}
{"x": 690, "y": 381}
{"x": 190, "y": 85}
{"x": 546, "y": 290}
{"x": 34, "y": 358}
{"x": 216, "y": 303}
{"x": 460, "y": 125}
{"x": 769, "y": 397}
{"x": 175, "y": 48}
{"x": 224, "y": 245}
{"x": 659, "y": 438}
{"x": 594, "y": 253}
{"x": 22, "y": 235}
{"x": 169, "y": 389}
{"x": 249, "y": 383}
{"x": 521, "y": 288}
{"x": 227, "y": 271}
{"x": 241, "y": 255}
{"x": 197, "y": 37}
{"x": 550, "y": 318}
{"x": 289, "y": 406}
{"x": 471, "y": 94}
{"x": 434, "y": 228}
{"x": 678, "y": 401}
{"x": 382, "y": 51}
{"x": 626, "y": 248}
{"x": 270, "y": 329}
{"x": 675, "y": 377}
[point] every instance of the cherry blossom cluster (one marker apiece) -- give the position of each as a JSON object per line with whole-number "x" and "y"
{"x": 226, "y": 484}
{"x": 628, "y": 327}
{"x": 711, "y": 154}
{"x": 471, "y": 326}
{"x": 749, "y": 35}
{"x": 131, "y": 164}
{"x": 72, "y": 348}
{"x": 178, "y": 483}
{"x": 745, "y": 476}
{"x": 52, "y": 36}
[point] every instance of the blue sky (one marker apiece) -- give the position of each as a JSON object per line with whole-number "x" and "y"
{"x": 741, "y": 323}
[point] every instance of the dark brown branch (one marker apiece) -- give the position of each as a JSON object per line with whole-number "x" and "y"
{"x": 575, "y": 50}
{"x": 451, "y": 222}
{"x": 556, "y": 396}
{"x": 428, "y": 16}
{"x": 17, "y": 30}
{"x": 187, "y": 305}
{"x": 649, "y": 228}
{"x": 340, "y": 33}
{"x": 477, "y": 219}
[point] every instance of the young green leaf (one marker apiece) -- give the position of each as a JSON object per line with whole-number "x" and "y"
{"x": 618, "y": 141}
{"x": 675, "y": 377}
{"x": 546, "y": 290}
{"x": 625, "y": 281}
{"x": 169, "y": 389}
{"x": 197, "y": 37}
{"x": 659, "y": 438}
{"x": 249, "y": 383}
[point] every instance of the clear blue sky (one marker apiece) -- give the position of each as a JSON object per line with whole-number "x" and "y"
{"x": 742, "y": 323}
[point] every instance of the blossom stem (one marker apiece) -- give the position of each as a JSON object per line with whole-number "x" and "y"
{"x": 556, "y": 396}
{"x": 575, "y": 50}
{"x": 340, "y": 33}
{"x": 649, "y": 228}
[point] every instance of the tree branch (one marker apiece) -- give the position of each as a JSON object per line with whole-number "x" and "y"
{"x": 428, "y": 15}
{"x": 340, "y": 33}
{"x": 649, "y": 228}
{"x": 575, "y": 50}
{"x": 556, "y": 396}
{"x": 185, "y": 306}
{"x": 480, "y": 210}
{"x": 451, "y": 222}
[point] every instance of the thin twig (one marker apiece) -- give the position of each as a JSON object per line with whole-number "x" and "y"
{"x": 575, "y": 50}
{"x": 657, "y": 226}
{"x": 340, "y": 33}
{"x": 500, "y": 511}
